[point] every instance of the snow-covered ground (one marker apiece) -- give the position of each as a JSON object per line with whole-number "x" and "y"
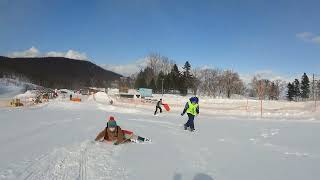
{"x": 54, "y": 141}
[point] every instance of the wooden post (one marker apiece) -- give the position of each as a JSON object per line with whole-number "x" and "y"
{"x": 247, "y": 108}
{"x": 261, "y": 107}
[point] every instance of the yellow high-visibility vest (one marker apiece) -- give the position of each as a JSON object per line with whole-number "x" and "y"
{"x": 192, "y": 108}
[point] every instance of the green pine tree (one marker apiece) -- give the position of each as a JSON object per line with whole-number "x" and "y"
{"x": 297, "y": 92}
{"x": 272, "y": 91}
{"x": 175, "y": 77}
{"x": 152, "y": 85}
{"x": 318, "y": 90}
{"x": 140, "y": 81}
{"x": 305, "y": 86}
{"x": 186, "y": 79}
{"x": 290, "y": 93}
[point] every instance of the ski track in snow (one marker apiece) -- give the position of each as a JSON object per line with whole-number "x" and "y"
{"x": 92, "y": 161}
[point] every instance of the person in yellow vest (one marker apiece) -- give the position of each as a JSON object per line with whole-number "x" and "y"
{"x": 192, "y": 109}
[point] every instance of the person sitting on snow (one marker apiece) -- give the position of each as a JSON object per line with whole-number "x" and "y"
{"x": 158, "y": 106}
{"x": 192, "y": 109}
{"x": 114, "y": 134}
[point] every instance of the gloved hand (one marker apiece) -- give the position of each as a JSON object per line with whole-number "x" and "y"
{"x": 182, "y": 114}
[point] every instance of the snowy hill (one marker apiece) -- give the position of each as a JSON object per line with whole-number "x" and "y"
{"x": 58, "y": 72}
{"x": 11, "y": 87}
{"x": 54, "y": 141}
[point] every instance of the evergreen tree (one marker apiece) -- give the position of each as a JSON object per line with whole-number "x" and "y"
{"x": 175, "y": 77}
{"x": 186, "y": 79}
{"x": 272, "y": 91}
{"x": 187, "y": 69}
{"x": 140, "y": 81}
{"x": 297, "y": 93}
{"x": 305, "y": 86}
{"x": 152, "y": 85}
{"x": 290, "y": 93}
{"x": 318, "y": 90}
{"x": 143, "y": 83}
{"x": 148, "y": 75}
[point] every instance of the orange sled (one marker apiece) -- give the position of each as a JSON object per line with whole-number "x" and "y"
{"x": 76, "y": 99}
{"x": 167, "y": 107}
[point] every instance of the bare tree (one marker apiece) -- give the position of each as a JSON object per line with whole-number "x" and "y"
{"x": 196, "y": 73}
{"x": 165, "y": 65}
{"x": 209, "y": 81}
{"x": 159, "y": 63}
{"x": 232, "y": 84}
{"x": 281, "y": 87}
{"x": 153, "y": 61}
{"x": 261, "y": 92}
{"x": 271, "y": 90}
{"x": 261, "y": 89}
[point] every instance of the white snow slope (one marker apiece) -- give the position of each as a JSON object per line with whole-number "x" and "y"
{"x": 54, "y": 141}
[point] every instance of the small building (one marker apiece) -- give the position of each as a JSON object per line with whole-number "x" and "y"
{"x": 144, "y": 92}
{"x": 93, "y": 90}
{"x": 132, "y": 93}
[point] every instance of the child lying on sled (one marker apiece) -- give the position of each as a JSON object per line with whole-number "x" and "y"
{"x": 115, "y": 135}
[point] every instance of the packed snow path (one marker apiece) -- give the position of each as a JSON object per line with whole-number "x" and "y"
{"x": 54, "y": 141}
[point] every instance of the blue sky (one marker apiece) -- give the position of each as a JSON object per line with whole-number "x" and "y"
{"x": 281, "y": 36}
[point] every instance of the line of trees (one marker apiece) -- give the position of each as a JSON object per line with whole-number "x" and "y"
{"x": 300, "y": 90}
{"x": 266, "y": 89}
{"x": 217, "y": 82}
{"x": 162, "y": 72}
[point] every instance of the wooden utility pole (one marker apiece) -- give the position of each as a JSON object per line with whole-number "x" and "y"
{"x": 261, "y": 94}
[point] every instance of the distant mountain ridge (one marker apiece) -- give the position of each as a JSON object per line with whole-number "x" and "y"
{"x": 57, "y": 72}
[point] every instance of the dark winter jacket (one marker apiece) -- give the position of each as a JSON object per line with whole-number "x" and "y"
{"x": 117, "y": 136}
{"x": 159, "y": 103}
